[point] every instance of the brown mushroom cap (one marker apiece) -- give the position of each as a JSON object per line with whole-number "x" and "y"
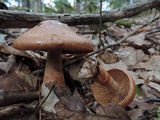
{"x": 49, "y": 35}
{"x": 55, "y": 38}
{"x": 126, "y": 91}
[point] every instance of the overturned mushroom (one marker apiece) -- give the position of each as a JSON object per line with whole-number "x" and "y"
{"x": 112, "y": 86}
{"x": 55, "y": 38}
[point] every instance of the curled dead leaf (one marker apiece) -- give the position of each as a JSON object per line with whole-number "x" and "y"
{"x": 108, "y": 57}
{"x": 109, "y": 112}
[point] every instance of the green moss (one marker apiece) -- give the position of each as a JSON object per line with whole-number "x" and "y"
{"x": 123, "y": 22}
{"x": 138, "y": 91}
{"x": 158, "y": 112}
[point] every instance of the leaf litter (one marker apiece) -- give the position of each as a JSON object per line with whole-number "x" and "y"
{"x": 138, "y": 55}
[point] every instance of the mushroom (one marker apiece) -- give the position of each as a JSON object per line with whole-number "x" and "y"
{"x": 55, "y": 38}
{"x": 113, "y": 86}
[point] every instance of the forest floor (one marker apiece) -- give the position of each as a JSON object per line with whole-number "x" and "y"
{"x": 21, "y": 75}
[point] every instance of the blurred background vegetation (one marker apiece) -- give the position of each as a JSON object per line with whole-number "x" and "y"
{"x": 66, "y": 6}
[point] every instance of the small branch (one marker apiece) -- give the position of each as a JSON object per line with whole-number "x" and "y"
{"x": 151, "y": 35}
{"x": 100, "y": 23}
{"x": 153, "y": 31}
{"x": 39, "y": 106}
{"x": 8, "y": 33}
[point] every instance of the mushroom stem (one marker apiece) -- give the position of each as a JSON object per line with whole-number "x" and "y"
{"x": 106, "y": 80}
{"x": 53, "y": 71}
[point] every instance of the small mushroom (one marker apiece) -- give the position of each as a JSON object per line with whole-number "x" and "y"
{"x": 55, "y": 38}
{"x": 113, "y": 86}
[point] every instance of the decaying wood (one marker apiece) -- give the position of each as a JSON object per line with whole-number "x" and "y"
{"x": 28, "y": 19}
{"x": 17, "y": 112}
{"x": 15, "y": 97}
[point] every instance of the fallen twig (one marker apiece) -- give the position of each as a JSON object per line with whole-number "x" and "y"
{"x": 100, "y": 24}
{"x": 8, "y": 33}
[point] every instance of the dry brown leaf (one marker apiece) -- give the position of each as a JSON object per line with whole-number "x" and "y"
{"x": 145, "y": 91}
{"x": 142, "y": 111}
{"x": 108, "y": 57}
{"x": 75, "y": 102}
{"x": 150, "y": 89}
{"x": 27, "y": 77}
{"x": 38, "y": 59}
{"x": 138, "y": 40}
{"x": 11, "y": 83}
{"x": 103, "y": 113}
{"x": 130, "y": 55}
{"x": 113, "y": 111}
{"x": 18, "y": 78}
{"x": 154, "y": 91}
{"x": 154, "y": 85}
{"x": 152, "y": 64}
{"x": 117, "y": 32}
{"x": 74, "y": 70}
{"x": 145, "y": 75}
{"x": 124, "y": 52}
{"x": 152, "y": 76}
{"x": 118, "y": 65}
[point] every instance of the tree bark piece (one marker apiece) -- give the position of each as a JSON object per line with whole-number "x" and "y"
{"x": 17, "y": 112}
{"x": 15, "y": 97}
{"x": 19, "y": 19}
